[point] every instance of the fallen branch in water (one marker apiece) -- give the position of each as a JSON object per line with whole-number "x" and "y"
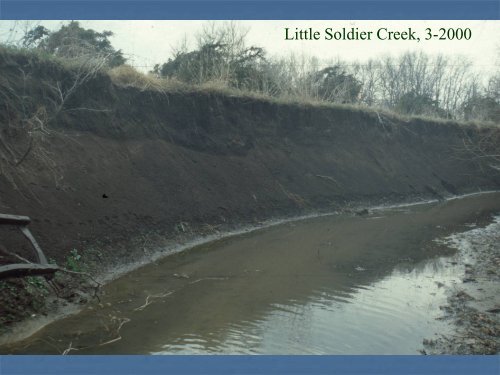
{"x": 148, "y": 302}
{"x": 207, "y": 278}
{"x": 118, "y": 338}
{"x": 122, "y": 322}
{"x": 70, "y": 348}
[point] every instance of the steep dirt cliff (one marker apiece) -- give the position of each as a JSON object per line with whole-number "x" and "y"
{"x": 116, "y": 164}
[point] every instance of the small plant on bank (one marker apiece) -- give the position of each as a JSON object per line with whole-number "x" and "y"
{"x": 74, "y": 261}
{"x": 35, "y": 285}
{"x": 4, "y": 285}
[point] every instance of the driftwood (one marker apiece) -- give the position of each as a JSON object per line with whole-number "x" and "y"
{"x": 27, "y": 269}
{"x": 38, "y": 250}
{"x": 14, "y": 219}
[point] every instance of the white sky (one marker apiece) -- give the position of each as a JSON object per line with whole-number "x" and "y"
{"x": 149, "y": 42}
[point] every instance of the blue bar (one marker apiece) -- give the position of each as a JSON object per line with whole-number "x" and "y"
{"x": 250, "y": 9}
{"x": 220, "y": 365}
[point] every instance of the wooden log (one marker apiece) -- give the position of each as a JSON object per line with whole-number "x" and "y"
{"x": 14, "y": 219}
{"x": 25, "y": 269}
{"x": 39, "y": 253}
{"x": 23, "y": 221}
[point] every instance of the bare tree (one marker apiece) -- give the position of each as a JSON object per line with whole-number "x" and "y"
{"x": 84, "y": 70}
{"x": 33, "y": 116}
{"x": 444, "y": 81}
{"x": 229, "y": 39}
{"x": 15, "y": 33}
{"x": 484, "y": 148}
{"x": 368, "y": 75}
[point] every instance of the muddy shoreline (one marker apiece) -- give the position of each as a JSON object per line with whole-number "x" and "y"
{"x": 153, "y": 250}
{"x": 24, "y": 330}
{"x": 474, "y": 304}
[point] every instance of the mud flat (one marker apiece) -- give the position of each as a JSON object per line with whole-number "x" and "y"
{"x": 473, "y": 304}
{"x": 370, "y": 283}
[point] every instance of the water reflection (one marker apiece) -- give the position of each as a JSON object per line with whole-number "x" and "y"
{"x": 390, "y": 316}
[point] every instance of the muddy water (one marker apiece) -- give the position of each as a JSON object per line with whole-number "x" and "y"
{"x": 338, "y": 284}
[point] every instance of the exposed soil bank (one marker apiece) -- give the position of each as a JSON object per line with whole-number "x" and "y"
{"x": 118, "y": 171}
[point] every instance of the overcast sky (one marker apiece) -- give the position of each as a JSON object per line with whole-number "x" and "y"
{"x": 149, "y": 42}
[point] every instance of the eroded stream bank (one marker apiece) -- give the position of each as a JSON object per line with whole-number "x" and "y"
{"x": 340, "y": 284}
{"x": 106, "y": 189}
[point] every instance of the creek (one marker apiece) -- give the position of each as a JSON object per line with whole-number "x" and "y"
{"x": 336, "y": 284}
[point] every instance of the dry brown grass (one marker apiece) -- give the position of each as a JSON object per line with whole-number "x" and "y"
{"x": 127, "y": 76}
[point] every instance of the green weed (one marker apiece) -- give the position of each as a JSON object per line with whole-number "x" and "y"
{"x": 74, "y": 261}
{"x": 35, "y": 285}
